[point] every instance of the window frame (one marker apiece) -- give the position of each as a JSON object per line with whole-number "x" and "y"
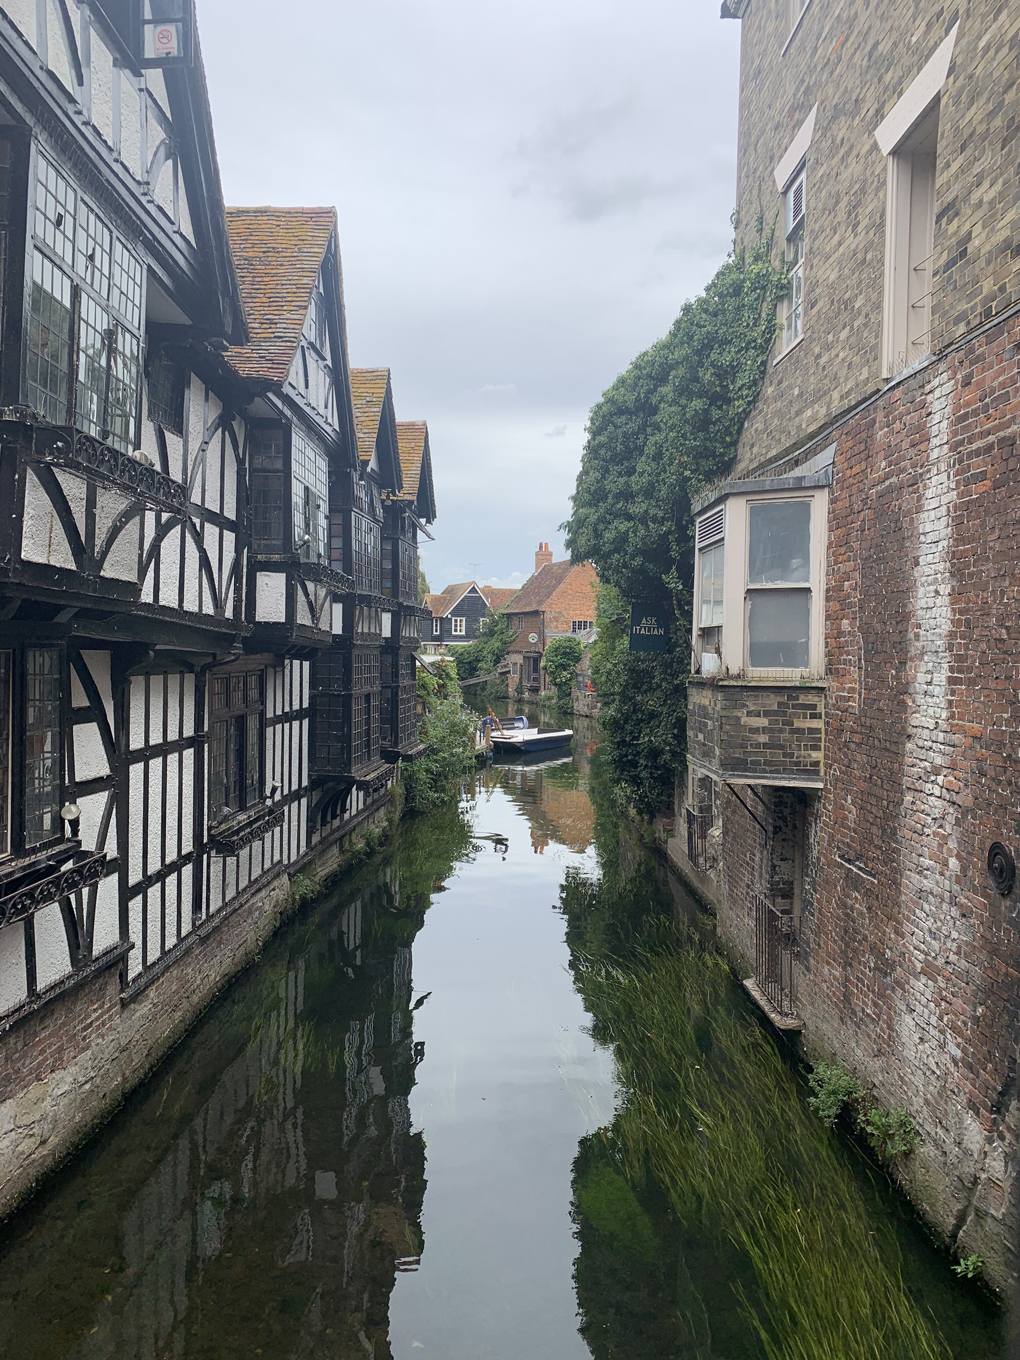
{"x": 227, "y": 716}
{"x": 791, "y": 330}
{"x": 581, "y": 625}
{"x": 116, "y": 307}
{"x": 733, "y": 642}
{"x": 911, "y": 175}
{"x": 17, "y": 843}
{"x": 458, "y": 626}
{"x": 437, "y": 627}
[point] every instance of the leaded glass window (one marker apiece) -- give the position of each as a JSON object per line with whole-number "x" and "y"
{"x": 309, "y": 475}
{"x": 48, "y": 368}
{"x": 42, "y": 744}
{"x": 55, "y": 210}
{"x": 237, "y": 724}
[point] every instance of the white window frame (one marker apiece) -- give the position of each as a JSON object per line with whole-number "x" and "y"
{"x": 581, "y": 625}
{"x": 734, "y": 643}
{"x": 795, "y": 231}
{"x": 458, "y": 627}
{"x": 909, "y": 246}
{"x": 437, "y": 627}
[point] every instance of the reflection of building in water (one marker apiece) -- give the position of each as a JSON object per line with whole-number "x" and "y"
{"x": 555, "y": 803}
{"x": 279, "y": 1216}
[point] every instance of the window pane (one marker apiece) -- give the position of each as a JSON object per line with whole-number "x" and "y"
{"x": 126, "y": 291}
{"x": 49, "y": 340}
{"x": 218, "y": 732}
{"x": 123, "y": 399}
{"x": 55, "y": 203}
{"x": 710, "y": 615}
{"x": 253, "y": 760}
{"x": 93, "y": 255}
{"x": 94, "y": 335}
{"x": 5, "y": 753}
{"x": 777, "y": 629}
{"x": 780, "y": 544}
{"x": 310, "y": 488}
{"x": 42, "y": 744}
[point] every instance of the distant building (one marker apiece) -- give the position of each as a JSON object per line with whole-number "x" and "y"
{"x": 458, "y": 611}
{"x": 557, "y": 601}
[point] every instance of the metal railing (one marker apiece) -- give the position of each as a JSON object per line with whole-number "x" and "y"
{"x": 775, "y": 951}
{"x": 698, "y": 826}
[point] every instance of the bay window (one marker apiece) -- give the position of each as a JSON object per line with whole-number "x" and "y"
{"x": 309, "y": 477}
{"x": 83, "y": 342}
{"x": 31, "y": 747}
{"x": 758, "y": 584}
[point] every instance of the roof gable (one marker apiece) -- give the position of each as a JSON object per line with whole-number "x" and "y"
{"x": 451, "y": 597}
{"x": 416, "y": 467}
{"x": 376, "y": 424}
{"x": 278, "y": 253}
{"x": 538, "y": 589}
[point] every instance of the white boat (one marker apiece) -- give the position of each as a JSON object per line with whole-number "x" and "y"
{"x": 529, "y": 739}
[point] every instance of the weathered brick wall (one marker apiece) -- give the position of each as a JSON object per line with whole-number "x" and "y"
{"x": 910, "y": 959}
{"x": 758, "y": 731}
{"x": 575, "y": 599}
{"x": 855, "y": 60}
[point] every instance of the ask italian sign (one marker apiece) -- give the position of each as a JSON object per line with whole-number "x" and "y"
{"x": 649, "y": 629}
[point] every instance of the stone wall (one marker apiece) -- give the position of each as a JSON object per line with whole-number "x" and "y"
{"x": 69, "y": 1064}
{"x": 855, "y": 61}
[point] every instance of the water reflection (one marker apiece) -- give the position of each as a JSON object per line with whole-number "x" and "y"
{"x": 265, "y": 1194}
{"x": 261, "y": 1195}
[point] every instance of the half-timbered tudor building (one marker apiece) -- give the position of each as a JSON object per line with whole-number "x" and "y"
{"x": 191, "y": 563}
{"x": 406, "y": 514}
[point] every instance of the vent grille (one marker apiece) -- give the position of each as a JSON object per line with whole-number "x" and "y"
{"x": 795, "y": 203}
{"x": 712, "y": 528}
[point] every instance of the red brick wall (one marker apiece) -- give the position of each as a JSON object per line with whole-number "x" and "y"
{"x": 909, "y": 963}
{"x": 575, "y": 599}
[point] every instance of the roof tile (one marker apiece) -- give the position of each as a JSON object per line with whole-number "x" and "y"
{"x": 277, "y": 256}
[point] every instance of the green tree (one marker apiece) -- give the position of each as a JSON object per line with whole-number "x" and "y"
{"x": 449, "y": 737}
{"x": 664, "y": 431}
{"x": 482, "y": 656}
{"x": 423, "y": 585}
{"x": 560, "y": 664}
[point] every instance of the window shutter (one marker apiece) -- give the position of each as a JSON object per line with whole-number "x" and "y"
{"x": 795, "y": 203}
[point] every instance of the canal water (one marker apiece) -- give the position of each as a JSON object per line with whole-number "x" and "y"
{"x": 495, "y": 1097}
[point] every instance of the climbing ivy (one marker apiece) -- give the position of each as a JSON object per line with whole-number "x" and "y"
{"x": 665, "y": 430}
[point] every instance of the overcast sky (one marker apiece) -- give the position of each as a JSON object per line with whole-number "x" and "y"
{"x": 527, "y": 193}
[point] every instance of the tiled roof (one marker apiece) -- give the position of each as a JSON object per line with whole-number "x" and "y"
{"x": 535, "y": 592}
{"x": 449, "y": 597}
{"x": 411, "y": 437}
{"x": 432, "y": 603}
{"x": 368, "y": 388}
{"x": 277, "y": 254}
{"x": 498, "y": 597}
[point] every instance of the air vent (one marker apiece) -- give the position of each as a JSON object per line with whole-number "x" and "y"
{"x": 794, "y": 203}
{"x": 712, "y": 528}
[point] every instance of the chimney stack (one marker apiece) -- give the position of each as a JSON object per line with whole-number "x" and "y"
{"x": 543, "y": 557}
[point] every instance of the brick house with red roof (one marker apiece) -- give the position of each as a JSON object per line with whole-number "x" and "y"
{"x": 558, "y": 600}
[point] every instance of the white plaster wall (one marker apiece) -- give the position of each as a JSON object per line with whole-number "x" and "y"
{"x": 134, "y": 958}
{"x": 149, "y": 441}
{"x": 174, "y": 455}
{"x": 184, "y": 225}
{"x": 13, "y": 983}
{"x": 188, "y": 802}
{"x": 42, "y": 538}
{"x": 271, "y": 597}
{"x": 130, "y": 126}
{"x": 106, "y": 932}
{"x": 188, "y": 682}
{"x": 156, "y": 86}
{"x": 52, "y": 960}
{"x": 173, "y": 762}
{"x": 122, "y": 561}
{"x": 78, "y": 699}
{"x": 92, "y": 808}
{"x": 58, "y": 62}
{"x": 89, "y": 755}
{"x": 338, "y": 617}
{"x": 102, "y": 88}
{"x": 169, "y": 567}
{"x": 163, "y": 193}
{"x": 191, "y": 575}
{"x": 22, "y": 12}
{"x": 136, "y": 712}
{"x": 172, "y": 691}
{"x": 135, "y": 785}
{"x": 153, "y": 909}
{"x": 98, "y": 664}
{"x": 74, "y": 489}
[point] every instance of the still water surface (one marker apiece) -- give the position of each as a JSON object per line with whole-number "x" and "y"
{"x": 494, "y": 1097}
